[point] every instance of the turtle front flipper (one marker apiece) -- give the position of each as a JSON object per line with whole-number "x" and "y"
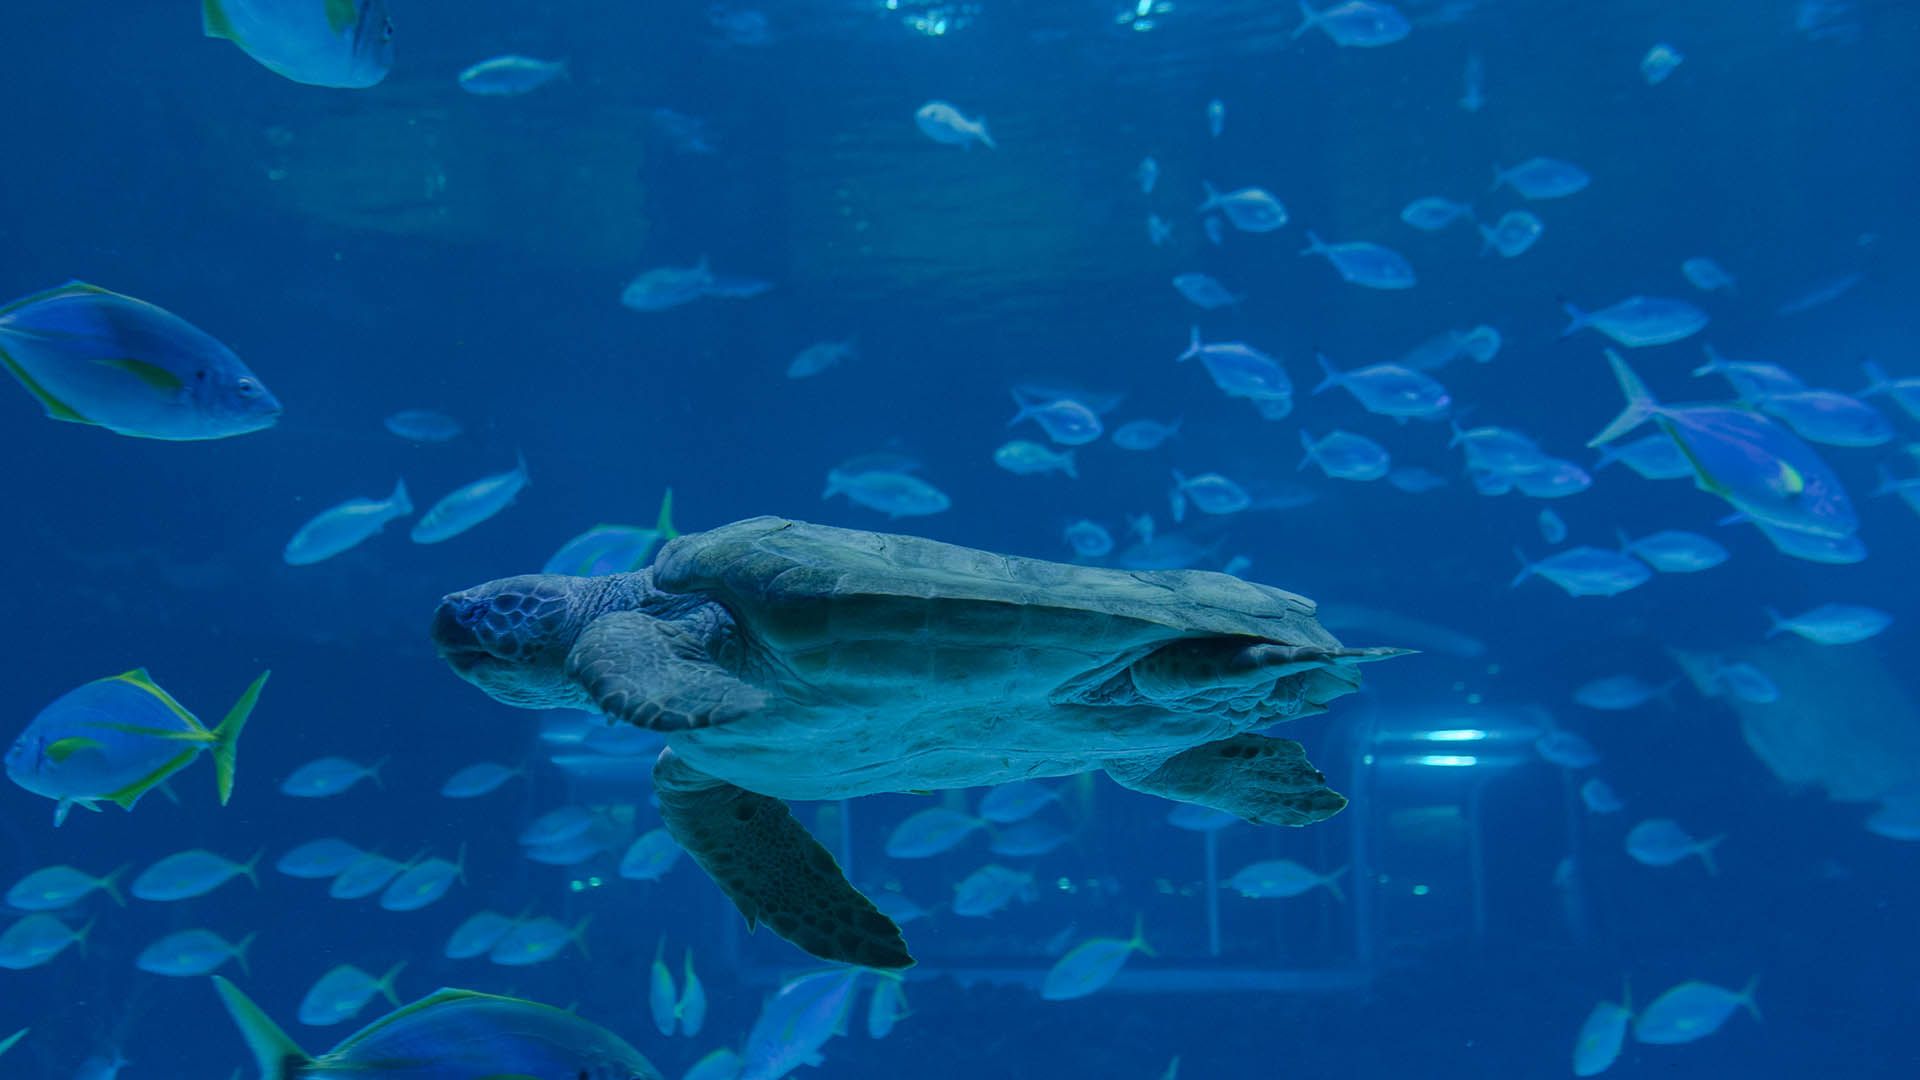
{"x": 656, "y": 675}
{"x": 772, "y": 869}
{"x": 1266, "y": 780}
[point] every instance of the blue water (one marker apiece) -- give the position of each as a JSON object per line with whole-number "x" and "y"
{"x": 414, "y": 246}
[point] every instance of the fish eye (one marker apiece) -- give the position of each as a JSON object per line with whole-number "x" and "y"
{"x": 201, "y": 375}
{"x": 247, "y": 387}
{"x": 386, "y": 30}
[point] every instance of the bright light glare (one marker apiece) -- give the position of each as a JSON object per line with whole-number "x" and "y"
{"x": 1447, "y": 760}
{"x": 1455, "y": 735}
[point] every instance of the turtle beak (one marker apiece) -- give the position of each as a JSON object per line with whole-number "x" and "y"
{"x": 453, "y": 633}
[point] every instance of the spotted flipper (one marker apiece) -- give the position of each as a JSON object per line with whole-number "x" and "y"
{"x": 773, "y": 870}
{"x": 655, "y": 675}
{"x": 1263, "y": 779}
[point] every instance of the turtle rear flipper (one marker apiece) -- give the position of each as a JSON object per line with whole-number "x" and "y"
{"x": 1263, "y": 779}
{"x": 772, "y": 869}
{"x": 656, "y": 675}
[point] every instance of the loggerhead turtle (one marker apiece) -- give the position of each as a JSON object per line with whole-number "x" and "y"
{"x": 791, "y": 661}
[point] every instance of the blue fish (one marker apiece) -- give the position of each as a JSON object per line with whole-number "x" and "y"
{"x": 470, "y": 505}
{"x": 1242, "y": 371}
{"x": 38, "y": 939}
{"x": 797, "y": 1021}
{"x": 1662, "y": 842}
{"x": 55, "y": 888}
{"x": 1692, "y": 1010}
{"x": 346, "y": 44}
{"x": 1249, "y": 209}
{"x": 1065, "y": 421}
{"x": 1343, "y": 455}
{"x": 895, "y": 494}
{"x": 510, "y": 76}
{"x": 1089, "y": 539}
{"x": 1204, "y": 292}
{"x": 1355, "y": 23}
{"x": 329, "y": 776}
{"x": 1432, "y": 213}
{"x": 1512, "y": 235}
{"x": 325, "y": 857}
{"x": 480, "y": 778}
{"x": 343, "y": 527}
{"x": 1672, "y": 551}
{"x": 989, "y": 889}
{"x": 194, "y": 872}
{"x": 1599, "y": 797}
{"x": 613, "y": 549}
{"x": 449, "y": 1035}
{"x": 1388, "y": 389}
{"x": 1586, "y": 571}
{"x": 343, "y": 991}
{"x": 929, "y": 833}
{"x": 192, "y": 952}
{"x": 1362, "y": 263}
{"x": 117, "y": 739}
{"x": 1016, "y": 801}
{"x": 424, "y": 425}
{"x": 1639, "y": 321}
{"x": 90, "y": 356}
{"x": 1091, "y": 965}
{"x": 1542, "y": 178}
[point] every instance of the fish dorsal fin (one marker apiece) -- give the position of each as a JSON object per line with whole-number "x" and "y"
{"x": 342, "y": 15}
{"x": 139, "y": 677}
{"x": 278, "y": 1056}
{"x": 152, "y": 375}
{"x": 213, "y": 20}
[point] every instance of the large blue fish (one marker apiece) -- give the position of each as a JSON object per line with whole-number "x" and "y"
{"x": 339, "y": 43}
{"x": 448, "y": 1035}
{"x": 119, "y": 738}
{"x": 91, "y": 356}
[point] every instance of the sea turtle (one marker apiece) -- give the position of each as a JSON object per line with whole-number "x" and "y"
{"x": 791, "y": 661}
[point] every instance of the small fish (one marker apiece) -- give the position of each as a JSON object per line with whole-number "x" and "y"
{"x": 1654, "y": 457}
{"x": 1388, "y": 390}
{"x": 1601, "y": 1036}
{"x": 1746, "y": 682}
{"x": 1091, "y": 965}
{"x": 38, "y": 939}
{"x": 943, "y": 123}
{"x": 1159, "y": 230}
{"x": 1599, "y": 797}
{"x": 692, "y": 1006}
{"x": 1831, "y": 624}
{"x": 1065, "y": 421}
{"x": 191, "y": 953}
{"x": 90, "y": 356}
{"x": 886, "y": 1008}
{"x": 478, "y": 934}
{"x": 328, "y": 776}
{"x": 801, "y": 1017}
{"x": 369, "y": 874}
{"x": 1585, "y": 571}
{"x": 1431, "y": 213}
{"x": 1497, "y": 450}
{"x": 1566, "y": 749}
{"x": 666, "y": 287}
{"x": 1821, "y": 295}
{"x": 1342, "y": 455}
{"x": 820, "y": 356}
{"x": 345, "y": 526}
{"x": 1362, "y": 263}
{"x": 470, "y": 505}
{"x": 1148, "y": 174}
{"x": 1692, "y": 1010}
{"x": 1552, "y": 529}
{"x": 452, "y": 1033}
{"x": 650, "y": 856}
{"x": 1016, "y": 801}
{"x": 480, "y": 778}
{"x": 1026, "y": 839}
{"x": 1512, "y": 235}
{"x": 1662, "y": 842}
{"x": 424, "y": 426}
{"x": 1415, "y": 480}
{"x": 1826, "y": 417}
{"x": 1831, "y": 550}
{"x": 1249, "y": 209}
{"x": 1196, "y": 818}
{"x": 1276, "y": 879}
{"x": 55, "y": 888}
{"x": 341, "y": 993}
{"x": 1473, "y": 78}
{"x": 661, "y": 992}
{"x": 1211, "y": 492}
{"x": 1639, "y": 321}
{"x": 1089, "y": 539}
{"x": 191, "y": 873}
{"x": 105, "y": 1066}
{"x": 896, "y": 495}
{"x": 1243, "y": 371}
{"x": 1659, "y": 63}
{"x": 538, "y": 940}
{"x": 560, "y": 823}
{"x": 1616, "y": 693}
{"x": 1905, "y": 390}
{"x": 12, "y": 1040}
{"x": 1707, "y": 275}
{"x": 687, "y": 134}
{"x": 1216, "y": 117}
{"x": 721, "y": 1064}
{"x": 346, "y": 44}
{"x": 929, "y": 833}
{"x": 316, "y": 859}
{"x": 510, "y": 76}
{"x": 1023, "y": 457}
{"x": 1355, "y": 23}
{"x": 1672, "y": 551}
{"x": 1204, "y": 292}
{"x": 989, "y": 889}
{"x": 424, "y": 883}
{"x": 898, "y": 908}
{"x": 1542, "y": 178}
{"x": 1140, "y": 435}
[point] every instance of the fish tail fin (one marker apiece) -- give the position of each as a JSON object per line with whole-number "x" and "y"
{"x": 1888, "y": 484}
{"x": 278, "y": 1056}
{"x": 1626, "y": 542}
{"x": 400, "y": 501}
{"x": 663, "y": 523}
{"x": 111, "y": 884}
{"x": 1608, "y": 455}
{"x": 1332, "y": 378}
{"x": 520, "y": 465}
{"x": 1705, "y": 850}
{"x": 1026, "y": 410}
{"x": 1306, "y": 443}
{"x": 1747, "y": 999}
{"x": 80, "y": 938}
{"x": 1877, "y": 381}
{"x": 1577, "y": 320}
{"x": 986, "y": 137}
{"x": 1067, "y": 466}
{"x": 213, "y": 20}
{"x": 226, "y": 737}
{"x": 1486, "y": 238}
{"x": 386, "y": 984}
{"x": 251, "y": 868}
{"x": 460, "y": 863}
{"x": 1309, "y": 18}
{"x": 1778, "y": 623}
{"x": 1211, "y": 196}
{"x": 1640, "y": 406}
{"x": 240, "y": 952}
{"x": 579, "y": 935}
{"x": 1526, "y": 569}
{"x": 1332, "y": 882}
{"x": 1665, "y": 693}
{"x": 373, "y": 771}
{"x": 1315, "y": 246}
{"x": 1499, "y": 177}
{"x": 1459, "y": 433}
{"x": 1193, "y": 344}
{"x": 1715, "y": 362}
{"x": 1138, "y": 943}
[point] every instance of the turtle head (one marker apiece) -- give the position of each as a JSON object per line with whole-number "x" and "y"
{"x": 511, "y": 637}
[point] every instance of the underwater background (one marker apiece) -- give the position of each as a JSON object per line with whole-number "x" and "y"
{"x": 419, "y": 245}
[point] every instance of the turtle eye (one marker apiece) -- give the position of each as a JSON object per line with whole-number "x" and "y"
{"x": 472, "y": 612}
